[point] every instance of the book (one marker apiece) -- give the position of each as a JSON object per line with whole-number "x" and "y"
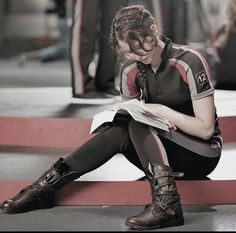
{"x": 135, "y": 109}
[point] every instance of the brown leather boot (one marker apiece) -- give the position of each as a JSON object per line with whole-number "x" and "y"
{"x": 165, "y": 209}
{"x": 40, "y": 194}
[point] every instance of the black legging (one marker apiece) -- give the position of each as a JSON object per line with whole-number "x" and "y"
{"x": 102, "y": 147}
{"x": 137, "y": 144}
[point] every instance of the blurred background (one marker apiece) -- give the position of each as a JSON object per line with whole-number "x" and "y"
{"x": 41, "y": 30}
{"x": 36, "y": 67}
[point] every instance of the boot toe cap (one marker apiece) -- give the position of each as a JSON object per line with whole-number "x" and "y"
{"x": 132, "y": 222}
{"x": 8, "y": 207}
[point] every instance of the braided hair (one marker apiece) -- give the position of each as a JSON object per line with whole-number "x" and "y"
{"x": 143, "y": 76}
{"x": 132, "y": 24}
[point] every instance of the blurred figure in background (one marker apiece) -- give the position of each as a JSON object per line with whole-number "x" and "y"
{"x": 90, "y": 32}
{"x": 224, "y": 41}
{"x": 56, "y": 51}
{"x": 204, "y": 17}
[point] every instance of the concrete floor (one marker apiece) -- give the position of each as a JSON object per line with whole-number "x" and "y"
{"x": 112, "y": 218}
{"x": 43, "y": 90}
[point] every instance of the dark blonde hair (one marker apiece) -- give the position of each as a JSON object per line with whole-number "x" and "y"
{"x": 132, "y": 24}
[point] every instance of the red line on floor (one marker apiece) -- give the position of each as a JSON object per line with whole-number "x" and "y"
{"x": 61, "y": 132}
{"x": 131, "y": 192}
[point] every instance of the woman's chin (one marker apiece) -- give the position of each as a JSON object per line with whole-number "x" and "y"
{"x": 145, "y": 61}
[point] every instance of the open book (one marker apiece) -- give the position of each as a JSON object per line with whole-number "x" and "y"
{"x": 135, "y": 108}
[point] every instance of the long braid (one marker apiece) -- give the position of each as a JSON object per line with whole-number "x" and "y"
{"x": 143, "y": 76}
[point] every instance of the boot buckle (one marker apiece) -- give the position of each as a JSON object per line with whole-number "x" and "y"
{"x": 165, "y": 173}
{"x": 163, "y": 205}
{"x": 158, "y": 202}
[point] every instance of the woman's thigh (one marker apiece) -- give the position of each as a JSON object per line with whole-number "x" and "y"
{"x": 193, "y": 165}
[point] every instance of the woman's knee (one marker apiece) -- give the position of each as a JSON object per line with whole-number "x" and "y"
{"x": 117, "y": 134}
{"x": 135, "y": 126}
{"x": 116, "y": 131}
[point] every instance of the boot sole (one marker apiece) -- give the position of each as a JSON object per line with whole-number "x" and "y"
{"x": 176, "y": 222}
{"x": 14, "y": 211}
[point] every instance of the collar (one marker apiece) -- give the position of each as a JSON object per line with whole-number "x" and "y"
{"x": 165, "y": 52}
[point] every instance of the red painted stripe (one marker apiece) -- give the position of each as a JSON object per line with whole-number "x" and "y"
{"x": 228, "y": 128}
{"x": 61, "y": 132}
{"x": 131, "y": 192}
{"x": 43, "y": 132}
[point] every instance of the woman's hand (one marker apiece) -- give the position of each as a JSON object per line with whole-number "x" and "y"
{"x": 157, "y": 109}
{"x": 171, "y": 125}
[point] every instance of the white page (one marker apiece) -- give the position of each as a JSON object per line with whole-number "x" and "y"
{"x": 102, "y": 117}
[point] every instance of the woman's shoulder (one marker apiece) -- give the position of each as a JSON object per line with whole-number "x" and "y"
{"x": 129, "y": 67}
{"x": 187, "y": 54}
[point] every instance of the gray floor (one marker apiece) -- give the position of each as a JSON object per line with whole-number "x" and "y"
{"x": 112, "y": 218}
{"x": 43, "y": 90}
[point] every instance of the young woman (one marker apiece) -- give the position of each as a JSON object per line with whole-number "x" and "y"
{"x": 174, "y": 82}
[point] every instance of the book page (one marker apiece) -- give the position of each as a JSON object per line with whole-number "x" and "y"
{"x": 102, "y": 117}
{"x": 155, "y": 122}
{"x": 136, "y": 109}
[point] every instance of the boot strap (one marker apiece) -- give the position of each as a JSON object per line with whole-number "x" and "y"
{"x": 166, "y": 192}
{"x": 53, "y": 180}
{"x": 168, "y": 173}
{"x": 163, "y": 206}
{"x": 158, "y": 186}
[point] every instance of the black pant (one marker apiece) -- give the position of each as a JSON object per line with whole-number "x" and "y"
{"x": 92, "y": 20}
{"x": 103, "y": 146}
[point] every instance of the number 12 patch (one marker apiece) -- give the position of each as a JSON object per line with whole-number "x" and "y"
{"x": 201, "y": 78}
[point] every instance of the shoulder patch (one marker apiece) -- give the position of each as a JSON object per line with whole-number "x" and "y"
{"x": 202, "y": 82}
{"x": 201, "y": 78}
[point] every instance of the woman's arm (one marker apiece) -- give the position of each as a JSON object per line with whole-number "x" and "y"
{"x": 202, "y": 125}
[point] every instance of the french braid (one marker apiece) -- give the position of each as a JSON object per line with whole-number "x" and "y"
{"x": 143, "y": 76}
{"x": 133, "y": 24}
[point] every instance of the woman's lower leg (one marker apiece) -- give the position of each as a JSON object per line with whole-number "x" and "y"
{"x": 88, "y": 157}
{"x": 98, "y": 150}
{"x": 165, "y": 209}
{"x": 147, "y": 144}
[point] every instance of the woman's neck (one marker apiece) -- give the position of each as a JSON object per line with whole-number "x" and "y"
{"x": 156, "y": 60}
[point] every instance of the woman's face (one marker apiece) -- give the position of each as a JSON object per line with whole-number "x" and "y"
{"x": 140, "y": 54}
